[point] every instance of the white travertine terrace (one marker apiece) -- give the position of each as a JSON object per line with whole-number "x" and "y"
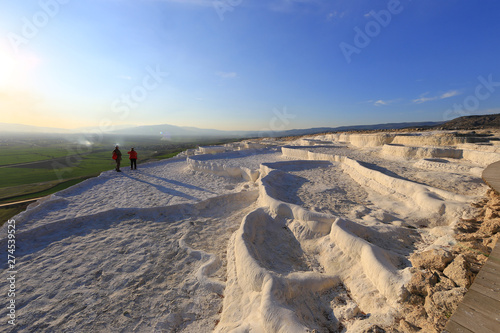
{"x": 250, "y": 236}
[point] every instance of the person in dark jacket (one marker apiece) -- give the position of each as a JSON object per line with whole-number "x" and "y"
{"x": 117, "y": 156}
{"x": 133, "y": 159}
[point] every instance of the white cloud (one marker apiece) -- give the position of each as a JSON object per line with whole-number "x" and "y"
{"x": 450, "y": 94}
{"x": 381, "y": 102}
{"x": 124, "y": 77}
{"x": 227, "y": 75}
{"x": 423, "y": 98}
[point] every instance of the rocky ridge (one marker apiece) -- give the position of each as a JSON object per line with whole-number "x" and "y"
{"x": 441, "y": 276}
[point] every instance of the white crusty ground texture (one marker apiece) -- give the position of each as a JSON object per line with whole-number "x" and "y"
{"x": 314, "y": 236}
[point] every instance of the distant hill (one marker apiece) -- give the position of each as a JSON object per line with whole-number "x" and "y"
{"x": 194, "y": 131}
{"x": 472, "y": 122}
{"x": 389, "y": 126}
{"x": 18, "y": 128}
{"x": 169, "y": 131}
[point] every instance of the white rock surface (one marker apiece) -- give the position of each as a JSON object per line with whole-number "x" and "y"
{"x": 312, "y": 236}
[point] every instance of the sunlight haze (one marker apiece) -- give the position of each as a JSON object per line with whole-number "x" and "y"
{"x": 231, "y": 65}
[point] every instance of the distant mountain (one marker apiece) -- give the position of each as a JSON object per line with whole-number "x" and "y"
{"x": 96, "y": 128}
{"x": 19, "y": 128}
{"x": 389, "y": 126}
{"x": 151, "y": 130}
{"x": 472, "y": 122}
{"x": 169, "y": 131}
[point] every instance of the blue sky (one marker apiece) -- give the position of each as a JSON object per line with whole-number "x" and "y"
{"x": 247, "y": 65}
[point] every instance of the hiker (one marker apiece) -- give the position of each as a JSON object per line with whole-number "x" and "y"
{"x": 117, "y": 156}
{"x": 133, "y": 159}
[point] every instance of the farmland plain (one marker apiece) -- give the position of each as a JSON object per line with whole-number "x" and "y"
{"x": 36, "y": 165}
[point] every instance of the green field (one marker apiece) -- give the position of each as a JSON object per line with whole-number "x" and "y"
{"x": 82, "y": 165}
{"x": 7, "y": 213}
{"x": 40, "y": 165}
{"x": 16, "y": 155}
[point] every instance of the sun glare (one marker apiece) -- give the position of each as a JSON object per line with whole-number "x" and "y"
{"x": 7, "y": 67}
{"x": 16, "y": 70}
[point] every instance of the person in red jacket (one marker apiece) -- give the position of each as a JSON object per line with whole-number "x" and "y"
{"x": 117, "y": 156}
{"x": 133, "y": 159}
